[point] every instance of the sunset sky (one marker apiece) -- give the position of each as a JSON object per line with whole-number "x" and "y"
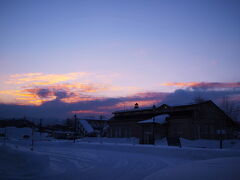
{"x": 92, "y": 57}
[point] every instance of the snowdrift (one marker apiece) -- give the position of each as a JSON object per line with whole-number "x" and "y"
{"x": 220, "y": 169}
{"x": 22, "y": 164}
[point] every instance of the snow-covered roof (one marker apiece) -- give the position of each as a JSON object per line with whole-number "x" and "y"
{"x": 135, "y": 109}
{"x": 160, "y": 119}
{"x": 86, "y": 125}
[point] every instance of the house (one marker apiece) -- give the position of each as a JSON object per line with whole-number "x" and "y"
{"x": 203, "y": 120}
{"x": 92, "y": 127}
{"x": 87, "y": 126}
{"x": 99, "y": 126}
{"x": 125, "y": 123}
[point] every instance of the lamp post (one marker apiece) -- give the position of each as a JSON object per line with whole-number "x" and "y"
{"x": 40, "y": 128}
{"x": 32, "y": 138}
{"x": 220, "y": 133}
{"x": 5, "y": 135}
{"x": 154, "y": 112}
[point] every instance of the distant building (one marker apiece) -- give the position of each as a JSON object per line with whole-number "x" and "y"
{"x": 92, "y": 127}
{"x": 204, "y": 120}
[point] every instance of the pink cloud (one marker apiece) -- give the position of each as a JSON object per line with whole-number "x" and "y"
{"x": 204, "y": 85}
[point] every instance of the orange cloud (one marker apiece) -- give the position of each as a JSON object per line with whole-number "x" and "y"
{"x": 70, "y": 93}
{"x": 25, "y": 97}
{"x": 82, "y": 87}
{"x": 52, "y": 93}
{"x": 181, "y": 84}
{"x": 79, "y": 98}
{"x": 43, "y": 79}
{"x": 37, "y": 88}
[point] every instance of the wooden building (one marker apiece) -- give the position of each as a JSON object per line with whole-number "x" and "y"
{"x": 195, "y": 121}
{"x": 92, "y": 127}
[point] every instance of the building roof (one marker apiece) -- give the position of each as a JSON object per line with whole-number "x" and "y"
{"x": 86, "y": 126}
{"x": 165, "y": 109}
{"x": 133, "y": 110}
{"x": 160, "y": 119}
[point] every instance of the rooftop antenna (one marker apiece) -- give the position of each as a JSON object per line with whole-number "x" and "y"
{"x": 136, "y": 106}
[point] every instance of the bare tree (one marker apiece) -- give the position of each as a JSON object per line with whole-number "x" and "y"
{"x": 69, "y": 122}
{"x": 198, "y": 98}
{"x": 231, "y": 108}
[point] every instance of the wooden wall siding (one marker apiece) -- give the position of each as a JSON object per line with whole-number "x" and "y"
{"x": 188, "y": 121}
{"x": 125, "y": 130}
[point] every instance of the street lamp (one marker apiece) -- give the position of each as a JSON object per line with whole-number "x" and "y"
{"x": 220, "y": 133}
{"x": 32, "y": 137}
{"x": 154, "y": 112}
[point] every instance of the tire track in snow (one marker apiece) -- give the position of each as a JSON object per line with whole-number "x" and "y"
{"x": 98, "y": 164}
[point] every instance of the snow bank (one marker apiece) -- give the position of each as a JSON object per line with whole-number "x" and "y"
{"x": 204, "y": 143}
{"x": 110, "y": 140}
{"x": 18, "y": 133}
{"x": 220, "y": 169}
{"x": 20, "y": 164}
{"x": 201, "y": 143}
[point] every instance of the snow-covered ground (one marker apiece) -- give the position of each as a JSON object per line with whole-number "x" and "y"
{"x": 201, "y": 143}
{"x": 83, "y": 160}
{"x": 97, "y": 158}
{"x": 205, "y": 143}
{"x": 18, "y": 164}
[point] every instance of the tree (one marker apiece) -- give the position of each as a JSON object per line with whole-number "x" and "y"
{"x": 69, "y": 122}
{"x": 231, "y": 108}
{"x": 198, "y": 99}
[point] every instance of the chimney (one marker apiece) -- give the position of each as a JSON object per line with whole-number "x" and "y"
{"x": 136, "y": 106}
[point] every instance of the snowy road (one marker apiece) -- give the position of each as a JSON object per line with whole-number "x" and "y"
{"x": 88, "y": 163}
{"x": 91, "y": 161}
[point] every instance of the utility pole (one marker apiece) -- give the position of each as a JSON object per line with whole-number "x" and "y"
{"x": 75, "y": 127}
{"x": 32, "y": 138}
{"x": 40, "y": 127}
{"x": 221, "y": 139}
{"x": 5, "y": 136}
